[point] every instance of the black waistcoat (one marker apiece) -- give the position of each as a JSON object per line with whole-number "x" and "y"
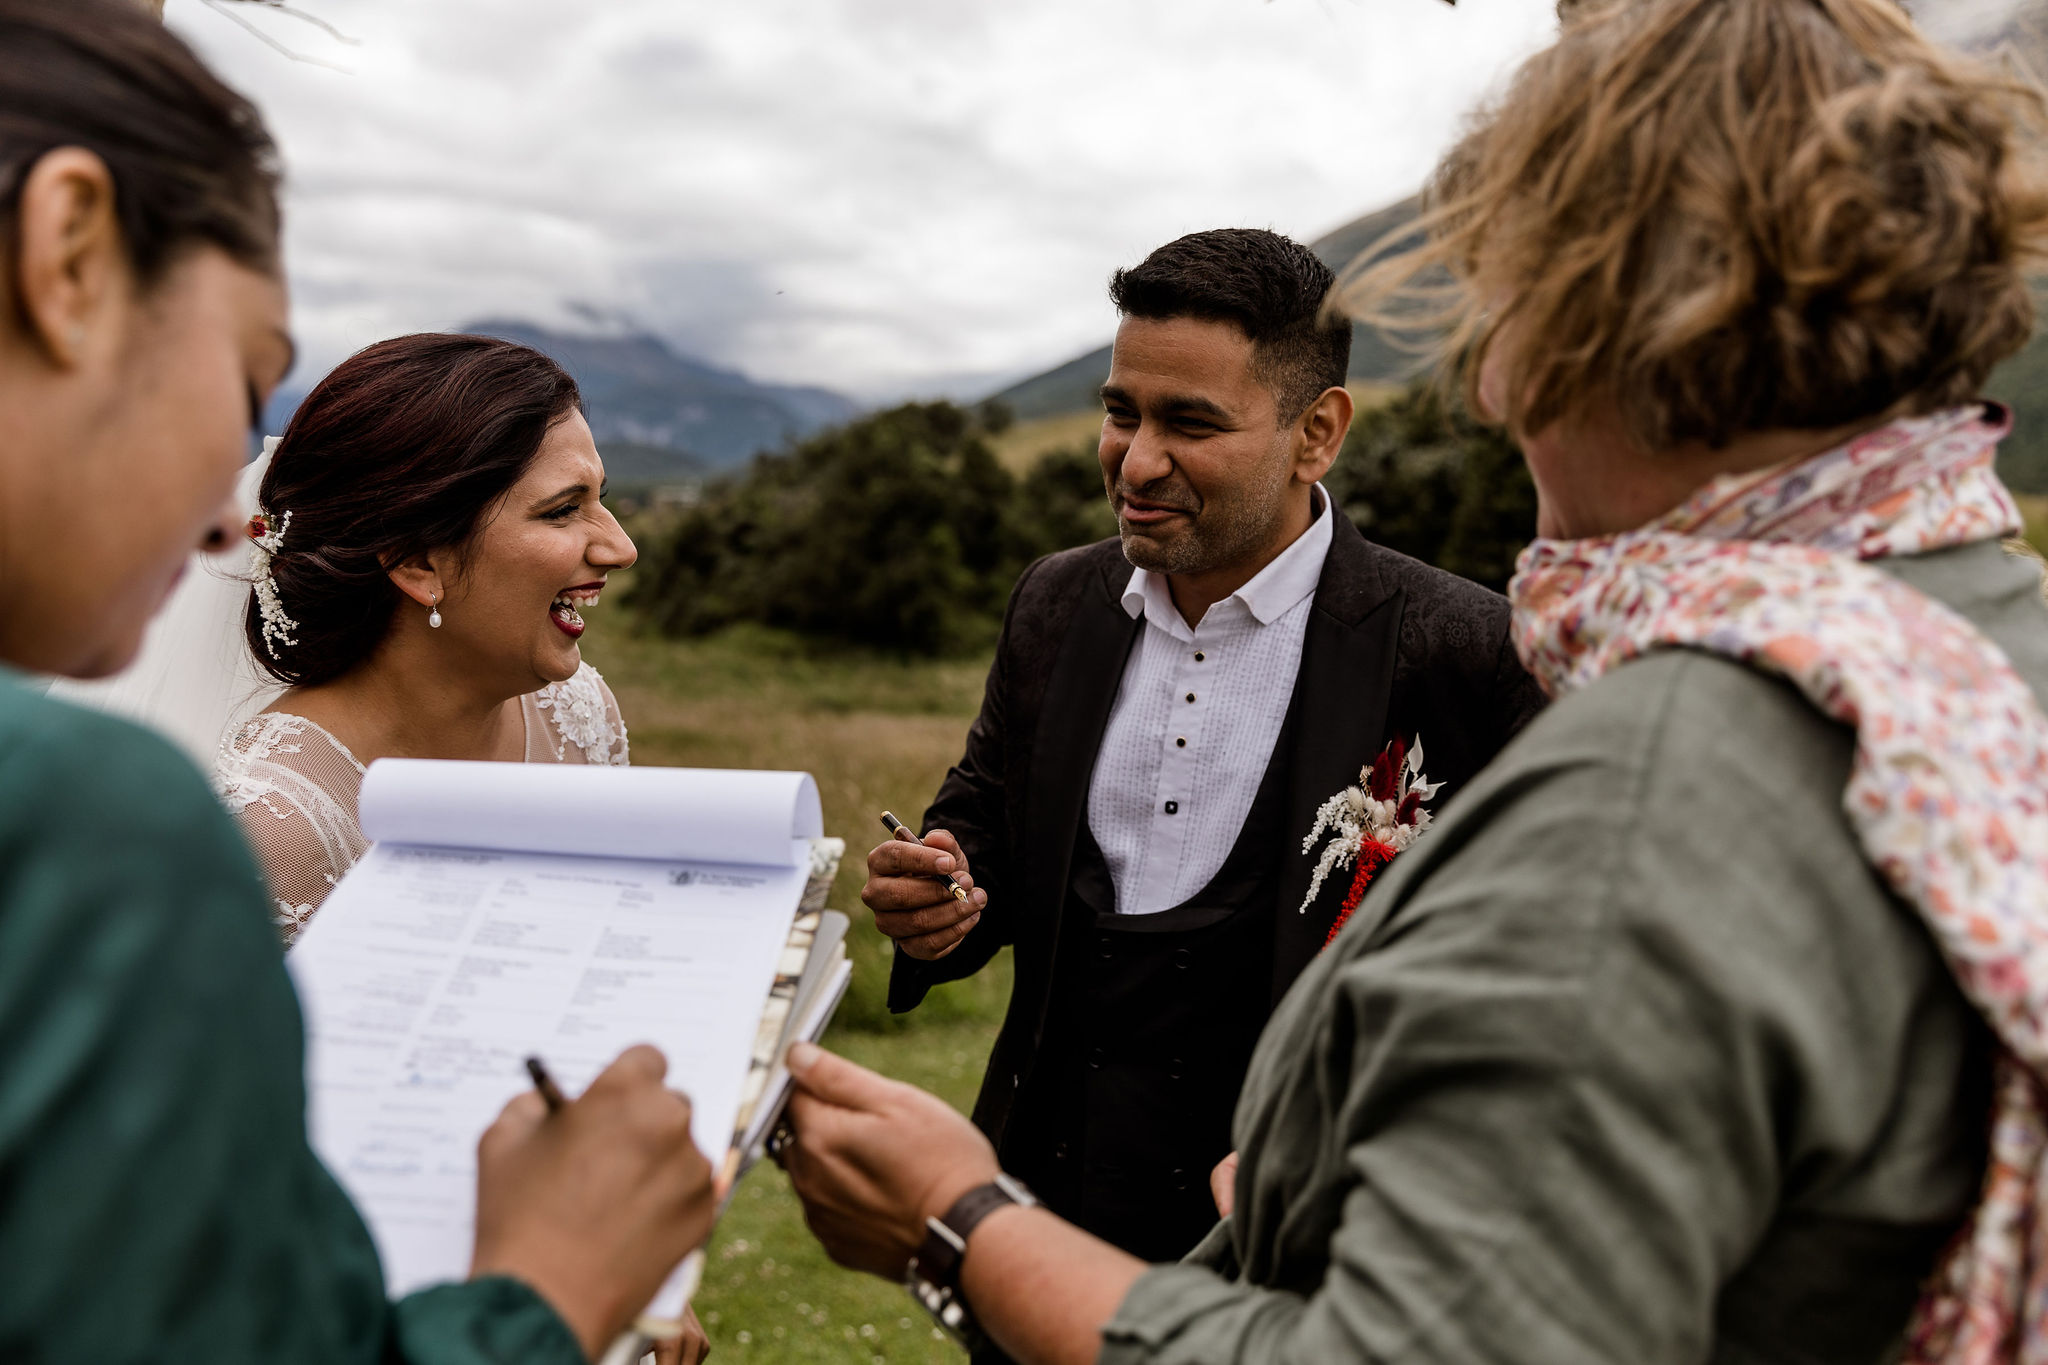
{"x": 1150, "y": 1031}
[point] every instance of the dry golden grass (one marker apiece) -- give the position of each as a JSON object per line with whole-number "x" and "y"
{"x": 2034, "y": 507}
{"x": 1368, "y": 394}
{"x": 1020, "y": 447}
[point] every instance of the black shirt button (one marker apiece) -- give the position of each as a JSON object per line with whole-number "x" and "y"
{"x": 1060, "y": 1152}
{"x": 1173, "y": 808}
{"x": 1199, "y": 656}
{"x": 1180, "y": 744}
{"x": 1183, "y": 958}
{"x": 1191, "y": 696}
{"x": 1173, "y": 1069}
{"x": 1180, "y": 1178}
{"x": 1095, "y": 1058}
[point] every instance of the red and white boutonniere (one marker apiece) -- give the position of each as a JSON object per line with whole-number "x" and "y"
{"x": 1370, "y": 823}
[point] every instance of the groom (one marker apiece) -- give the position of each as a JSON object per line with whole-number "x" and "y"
{"x": 1165, "y": 714}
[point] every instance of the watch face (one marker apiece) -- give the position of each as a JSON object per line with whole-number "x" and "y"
{"x": 947, "y": 1311}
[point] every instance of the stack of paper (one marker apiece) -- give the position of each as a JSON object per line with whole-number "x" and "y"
{"x": 508, "y": 910}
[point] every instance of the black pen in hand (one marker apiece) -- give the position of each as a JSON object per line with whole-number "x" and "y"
{"x": 545, "y": 1083}
{"x": 898, "y": 830}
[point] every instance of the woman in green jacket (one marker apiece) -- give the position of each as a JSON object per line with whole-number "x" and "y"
{"x": 1708, "y": 1023}
{"x": 158, "y": 1200}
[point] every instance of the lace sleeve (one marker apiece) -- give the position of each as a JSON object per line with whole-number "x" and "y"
{"x": 582, "y": 720}
{"x": 292, "y": 792}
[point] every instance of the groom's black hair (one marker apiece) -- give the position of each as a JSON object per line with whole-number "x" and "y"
{"x": 1272, "y": 287}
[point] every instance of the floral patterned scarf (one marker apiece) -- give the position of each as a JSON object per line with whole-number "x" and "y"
{"x": 1948, "y": 794}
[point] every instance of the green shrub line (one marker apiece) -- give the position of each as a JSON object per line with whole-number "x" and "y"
{"x": 901, "y": 532}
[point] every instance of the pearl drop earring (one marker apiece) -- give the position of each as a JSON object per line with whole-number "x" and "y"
{"x": 434, "y": 615}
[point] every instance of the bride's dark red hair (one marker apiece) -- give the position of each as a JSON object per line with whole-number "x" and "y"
{"x": 401, "y": 450}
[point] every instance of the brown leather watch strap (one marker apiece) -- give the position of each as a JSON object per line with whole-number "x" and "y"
{"x": 934, "y": 1273}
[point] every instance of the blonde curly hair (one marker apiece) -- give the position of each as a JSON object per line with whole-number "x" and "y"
{"x": 1728, "y": 216}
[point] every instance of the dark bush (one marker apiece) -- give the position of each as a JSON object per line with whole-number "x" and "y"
{"x": 900, "y": 531}
{"x": 1061, "y": 502}
{"x": 892, "y": 531}
{"x": 1424, "y": 478}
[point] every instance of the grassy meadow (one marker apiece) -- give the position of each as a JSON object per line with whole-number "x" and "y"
{"x": 877, "y": 733}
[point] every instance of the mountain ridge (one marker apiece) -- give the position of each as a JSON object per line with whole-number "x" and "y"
{"x": 640, "y": 391}
{"x": 659, "y": 416}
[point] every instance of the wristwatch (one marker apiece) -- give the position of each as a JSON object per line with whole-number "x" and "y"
{"x": 934, "y": 1272}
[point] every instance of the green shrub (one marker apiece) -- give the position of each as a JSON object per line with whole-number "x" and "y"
{"x": 898, "y": 531}
{"x": 891, "y": 532}
{"x": 1061, "y": 503}
{"x": 901, "y": 532}
{"x": 2022, "y": 384}
{"x": 1422, "y": 477}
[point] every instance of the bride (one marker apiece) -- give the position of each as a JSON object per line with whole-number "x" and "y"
{"x": 426, "y": 534}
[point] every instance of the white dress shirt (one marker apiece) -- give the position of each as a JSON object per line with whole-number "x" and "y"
{"x": 1194, "y": 724}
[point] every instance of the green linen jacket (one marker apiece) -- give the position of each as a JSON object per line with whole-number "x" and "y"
{"x": 158, "y": 1199}
{"x": 1630, "y": 1059}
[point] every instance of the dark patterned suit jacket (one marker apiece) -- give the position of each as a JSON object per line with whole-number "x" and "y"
{"x": 1393, "y": 647}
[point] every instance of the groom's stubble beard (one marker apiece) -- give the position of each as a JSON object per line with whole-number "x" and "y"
{"x": 1218, "y": 532}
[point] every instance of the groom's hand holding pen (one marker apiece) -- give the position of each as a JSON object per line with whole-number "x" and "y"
{"x": 921, "y": 891}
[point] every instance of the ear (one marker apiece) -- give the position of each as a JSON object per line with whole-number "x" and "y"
{"x": 1319, "y": 436}
{"x": 420, "y": 579}
{"x": 71, "y": 271}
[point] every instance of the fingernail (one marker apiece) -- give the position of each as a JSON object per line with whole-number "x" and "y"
{"x": 980, "y": 898}
{"x": 802, "y": 1056}
{"x": 945, "y": 862}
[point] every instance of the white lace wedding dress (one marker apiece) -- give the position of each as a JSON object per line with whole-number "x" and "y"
{"x": 293, "y": 787}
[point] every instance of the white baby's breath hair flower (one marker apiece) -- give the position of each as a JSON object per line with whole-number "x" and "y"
{"x": 266, "y": 536}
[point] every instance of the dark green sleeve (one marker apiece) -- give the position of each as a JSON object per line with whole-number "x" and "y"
{"x": 158, "y": 1199}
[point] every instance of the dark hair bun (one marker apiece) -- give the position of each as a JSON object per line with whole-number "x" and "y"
{"x": 190, "y": 158}
{"x": 398, "y": 452}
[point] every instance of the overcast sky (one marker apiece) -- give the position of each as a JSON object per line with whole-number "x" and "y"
{"x": 882, "y": 196}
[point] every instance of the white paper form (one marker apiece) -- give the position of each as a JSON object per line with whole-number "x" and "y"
{"x": 431, "y": 973}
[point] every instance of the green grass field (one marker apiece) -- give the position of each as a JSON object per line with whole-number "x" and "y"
{"x": 876, "y": 733}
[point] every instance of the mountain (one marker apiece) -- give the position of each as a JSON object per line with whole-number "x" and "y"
{"x": 659, "y": 417}
{"x": 1061, "y": 389}
{"x": 657, "y": 413}
{"x": 1072, "y": 386}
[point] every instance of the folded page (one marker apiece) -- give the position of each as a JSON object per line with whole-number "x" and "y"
{"x": 708, "y": 815}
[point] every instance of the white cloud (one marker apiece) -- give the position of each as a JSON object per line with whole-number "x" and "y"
{"x": 879, "y": 195}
